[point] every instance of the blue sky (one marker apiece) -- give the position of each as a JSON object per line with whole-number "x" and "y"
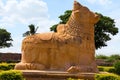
{"x": 16, "y": 15}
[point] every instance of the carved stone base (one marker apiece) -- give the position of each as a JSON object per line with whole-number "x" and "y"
{"x": 55, "y": 75}
{"x": 83, "y": 69}
{"x": 70, "y": 69}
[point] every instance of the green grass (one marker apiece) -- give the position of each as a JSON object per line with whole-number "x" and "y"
{"x": 110, "y": 69}
{"x": 107, "y": 76}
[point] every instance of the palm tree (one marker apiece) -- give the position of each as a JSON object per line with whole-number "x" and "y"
{"x": 32, "y": 30}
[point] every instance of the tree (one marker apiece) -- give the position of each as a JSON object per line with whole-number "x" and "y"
{"x": 5, "y": 38}
{"x": 103, "y": 28}
{"x": 114, "y": 58}
{"x": 101, "y": 57}
{"x": 111, "y": 58}
{"x": 32, "y": 30}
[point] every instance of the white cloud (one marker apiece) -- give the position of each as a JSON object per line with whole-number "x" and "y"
{"x": 24, "y": 12}
{"x": 91, "y": 1}
{"x": 101, "y": 2}
{"x": 104, "y": 2}
{"x": 21, "y": 13}
{"x": 1, "y": 6}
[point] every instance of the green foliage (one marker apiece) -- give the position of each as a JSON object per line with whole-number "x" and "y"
{"x": 65, "y": 17}
{"x": 32, "y": 30}
{"x": 73, "y": 79}
{"x": 103, "y": 28}
{"x": 102, "y": 76}
{"x": 11, "y": 75}
{"x": 109, "y": 69}
{"x": 106, "y": 69}
{"x": 11, "y": 66}
{"x": 10, "y": 61}
{"x": 100, "y": 68}
{"x": 5, "y": 66}
{"x": 53, "y": 28}
{"x": 117, "y": 67}
{"x": 101, "y": 57}
{"x": 107, "y": 76}
{"x": 114, "y": 58}
{"x": 5, "y": 38}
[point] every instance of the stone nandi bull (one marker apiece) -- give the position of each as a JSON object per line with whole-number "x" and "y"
{"x": 71, "y": 48}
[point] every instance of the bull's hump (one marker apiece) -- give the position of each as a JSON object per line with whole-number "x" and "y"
{"x": 46, "y": 36}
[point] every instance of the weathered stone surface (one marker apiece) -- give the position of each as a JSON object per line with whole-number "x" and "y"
{"x": 55, "y": 75}
{"x": 70, "y": 49}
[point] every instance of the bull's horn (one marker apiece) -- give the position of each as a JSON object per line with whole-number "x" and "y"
{"x": 76, "y": 5}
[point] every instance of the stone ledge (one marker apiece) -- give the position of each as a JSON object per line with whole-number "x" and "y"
{"x": 55, "y": 75}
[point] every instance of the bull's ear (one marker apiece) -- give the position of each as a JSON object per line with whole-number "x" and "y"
{"x": 96, "y": 18}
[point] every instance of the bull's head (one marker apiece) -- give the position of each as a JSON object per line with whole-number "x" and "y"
{"x": 83, "y": 14}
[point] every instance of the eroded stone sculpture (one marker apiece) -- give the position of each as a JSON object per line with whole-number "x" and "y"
{"x": 70, "y": 49}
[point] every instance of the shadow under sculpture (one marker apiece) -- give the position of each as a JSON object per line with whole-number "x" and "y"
{"x": 70, "y": 49}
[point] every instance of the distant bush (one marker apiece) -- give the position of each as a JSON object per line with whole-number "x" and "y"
{"x": 6, "y": 66}
{"x": 11, "y": 66}
{"x": 10, "y": 61}
{"x": 111, "y": 70}
{"x": 101, "y": 57}
{"x": 100, "y": 68}
{"x": 111, "y": 58}
{"x": 106, "y": 69}
{"x": 11, "y": 75}
{"x": 73, "y": 79}
{"x": 115, "y": 57}
{"x": 117, "y": 67}
{"x": 107, "y": 76}
{"x": 15, "y": 61}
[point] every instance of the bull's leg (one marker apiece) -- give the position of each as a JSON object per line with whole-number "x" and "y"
{"x": 33, "y": 58}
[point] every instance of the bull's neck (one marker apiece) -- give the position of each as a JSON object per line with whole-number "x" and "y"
{"x": 73, "y": 27}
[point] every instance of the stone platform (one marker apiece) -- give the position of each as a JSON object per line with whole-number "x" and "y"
{"x": 55, "y": 75}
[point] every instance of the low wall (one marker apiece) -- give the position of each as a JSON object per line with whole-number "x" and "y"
{"x": 10, "y": 57}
